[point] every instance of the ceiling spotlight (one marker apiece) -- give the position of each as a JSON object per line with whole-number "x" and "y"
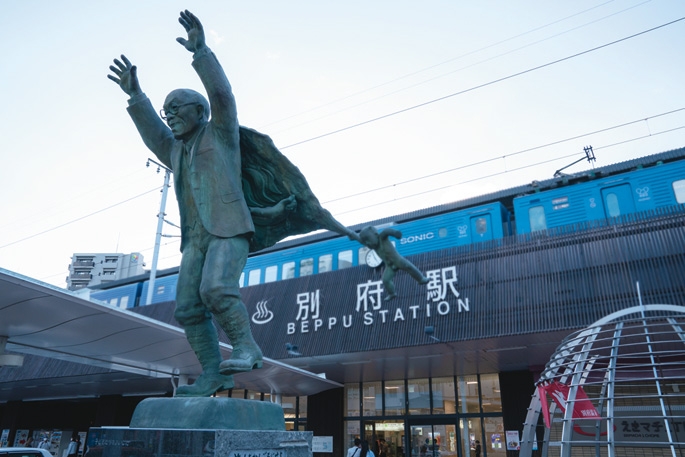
{"x": 430, "y": 330}
{"x": 292, "y": 350}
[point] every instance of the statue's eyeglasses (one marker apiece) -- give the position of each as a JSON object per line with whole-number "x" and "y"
{"x": 172, "y": 110}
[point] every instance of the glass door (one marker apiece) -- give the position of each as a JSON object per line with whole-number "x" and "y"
{"x": 433, "y": 440}
{"x": 385, "y": 437}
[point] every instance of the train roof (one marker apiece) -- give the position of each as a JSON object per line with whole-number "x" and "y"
{"x": 504, "y": 196}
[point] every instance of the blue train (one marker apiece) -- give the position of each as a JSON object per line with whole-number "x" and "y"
{"x": 639, "y": 185}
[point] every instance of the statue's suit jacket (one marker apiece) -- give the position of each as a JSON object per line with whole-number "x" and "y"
{"x": 213, "y": 169}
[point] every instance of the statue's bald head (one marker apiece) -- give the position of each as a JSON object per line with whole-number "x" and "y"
{"x": 185, "y": 111}
{"x": 182, "y": 96}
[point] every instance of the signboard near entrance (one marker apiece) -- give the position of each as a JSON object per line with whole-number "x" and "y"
{"x": 322, "y": 444}
{"x": 513, "y": 441}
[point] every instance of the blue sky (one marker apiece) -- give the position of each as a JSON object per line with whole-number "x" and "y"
{"x": 413, "y": 90}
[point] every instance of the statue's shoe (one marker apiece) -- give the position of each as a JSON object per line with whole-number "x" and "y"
{"x": 242, "y": 361}
{"x": 205, "y": 386}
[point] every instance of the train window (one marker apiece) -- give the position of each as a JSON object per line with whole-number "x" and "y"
{"x": 481, "y": 225}
{"x": 344, "y": 259}
{"x": 271, "y": 273}
{"x": 442, "y": 232}
{"x": 679, "y": 190}
{"x": 325, "y": 263}
{"x": 362, "y": 255}
{"x": 288, "y": 270}
{"x": 613, "y": 209}
{"x": 254, "y": 277}
{"x": 536, "y": 216}
{"x": 306, "y": 267}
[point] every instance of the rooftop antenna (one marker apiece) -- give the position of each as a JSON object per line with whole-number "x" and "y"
{"x": 589, "y": 155}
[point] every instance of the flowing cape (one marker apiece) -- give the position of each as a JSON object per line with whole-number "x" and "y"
{"x": 269, "y": 177}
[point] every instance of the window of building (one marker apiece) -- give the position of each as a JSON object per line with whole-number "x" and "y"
{"x": 467, "y": 390}
{"x": 306, "y": 267}
{"x": 344, "y": 259}
{"x": 238, "y": 393}
{"x": 288, "y": 270}
{"x": 302, "y": 407}
{"x": 494, "y": 436}
{"x": 679, "y": 190}
{"x": 394, "y": 398}
{"x": 444, "y": 400}
{"x": 536, "y": 216}
{"x": 289, "y": 405}
{"x": 253, "y": 395}
{"x": 471, "y": 431}
{"x": 373, "y": 398}
{"x": 490, "y": 393}
{"x": 325, "y": 263}
{"x": 418, "y": 395}
{"x": 352, "y": 400}
{"x": 254, "y": 277}
{"x": 352, "y": 431}
{"x": 271, "y": 273}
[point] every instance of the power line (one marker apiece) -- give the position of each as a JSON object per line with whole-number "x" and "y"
{"x": 78, "y": 219}
{"x": 461, "y": 56}
{"x": 481, "y": 162}
{"x": 505, "y": 171}
{"x": 454, "y": 71}
{"x": 480, "y": 86}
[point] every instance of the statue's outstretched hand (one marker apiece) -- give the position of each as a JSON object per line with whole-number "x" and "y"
{"x": 125, "y": 74}
{"x": 196, "y": 34}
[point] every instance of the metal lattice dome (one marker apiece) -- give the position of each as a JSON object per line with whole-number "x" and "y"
{"x": 616, "y": 388}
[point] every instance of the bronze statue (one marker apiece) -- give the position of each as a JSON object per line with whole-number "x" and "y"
{"x": 225, "y": 176}
{"x": 392, "y": 259}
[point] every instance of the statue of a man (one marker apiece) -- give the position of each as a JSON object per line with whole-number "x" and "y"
{"x": 216, "y": 227}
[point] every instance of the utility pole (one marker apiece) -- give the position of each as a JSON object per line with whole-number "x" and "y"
{"x": 160, "y": 222}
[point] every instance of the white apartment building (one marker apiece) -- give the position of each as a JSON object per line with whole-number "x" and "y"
{"x": 91, "y": 269}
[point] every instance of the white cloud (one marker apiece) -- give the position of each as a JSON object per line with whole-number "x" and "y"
{"x": 216, "y": 38}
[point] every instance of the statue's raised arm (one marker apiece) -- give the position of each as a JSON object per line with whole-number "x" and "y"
{"x": 126, "y": 76}
{"x": 196, "y": 33}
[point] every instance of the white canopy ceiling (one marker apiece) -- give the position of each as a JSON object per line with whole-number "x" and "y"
{"x": 43, "y": 320}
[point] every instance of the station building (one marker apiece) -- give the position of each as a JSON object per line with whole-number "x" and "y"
{"x": 431, "y": 372}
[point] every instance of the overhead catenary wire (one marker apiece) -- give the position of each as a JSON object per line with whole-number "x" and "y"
{"x": 480, "y": 86}
{"x": 492, "y": 159}
{"x": 425, "y": 81}
{"x": 492, "y": 175}
{"x": 461, "y": 56}
{"x": 78, "y": 219}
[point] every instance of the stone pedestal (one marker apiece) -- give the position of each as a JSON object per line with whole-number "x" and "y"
{"x": 208, "y": 413}
{"x": 201, "y": 427}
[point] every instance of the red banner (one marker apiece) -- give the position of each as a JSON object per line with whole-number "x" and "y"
{"x": 582, "y": 406}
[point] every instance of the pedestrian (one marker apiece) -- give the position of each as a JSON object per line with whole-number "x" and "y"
{"x": 354, "y": 450}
